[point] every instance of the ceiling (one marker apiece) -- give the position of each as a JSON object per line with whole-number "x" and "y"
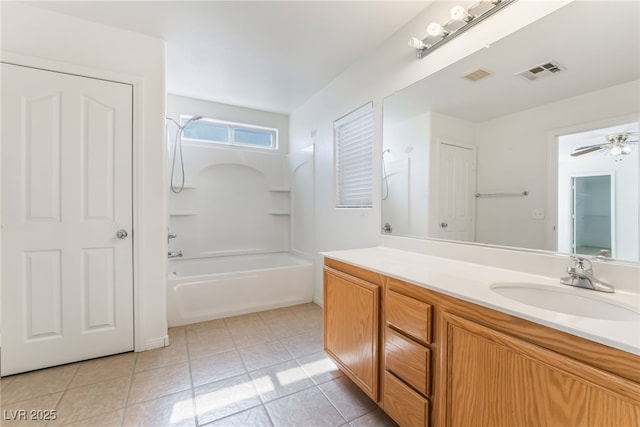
{"x": 597, "y": 43}
{"x": 268, "y": 55}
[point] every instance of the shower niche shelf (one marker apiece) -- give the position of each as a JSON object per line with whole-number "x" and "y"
{"x": 280, "y": 189}
{"x": 183, "y": 212}
{"x": 278, "y": 212}
{"x": 187, "y": 186}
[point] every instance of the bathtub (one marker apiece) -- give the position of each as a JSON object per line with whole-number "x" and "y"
{"x": 210, "y": 288}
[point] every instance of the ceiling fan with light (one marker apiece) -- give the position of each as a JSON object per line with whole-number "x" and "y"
{"x": 616, "y": 144}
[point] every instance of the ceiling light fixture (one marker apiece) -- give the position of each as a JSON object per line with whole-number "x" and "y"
{"x": 436, "y": 30}
{"x": 461, "y": 20}
{"x": 416, "y": 43}
{"x": 459, "y": 13}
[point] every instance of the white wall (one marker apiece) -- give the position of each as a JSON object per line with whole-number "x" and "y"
{"x": 388, "y": 68}
{"x": 408, "y": 167}
{"x": 236, "y": 198}
{"x": 514, "y": 154}
{"x": 302, "y": 201}
{"x": 34, "y": 36}
{"x": 413, "y": 165}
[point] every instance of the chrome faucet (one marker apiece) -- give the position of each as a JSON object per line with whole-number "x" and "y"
{"x": 175, "y": 254}
{"x": 581, "y": 276}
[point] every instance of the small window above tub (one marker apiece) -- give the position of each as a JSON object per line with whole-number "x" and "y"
{"x": 229, "y": 133}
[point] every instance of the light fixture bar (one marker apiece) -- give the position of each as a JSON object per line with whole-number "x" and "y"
{"x": 470, "y": 20}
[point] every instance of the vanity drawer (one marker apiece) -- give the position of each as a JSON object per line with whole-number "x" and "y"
{"x": 407, "y": 360}
{"x": 404, "y": 405}
{"x": 408, "y": 315}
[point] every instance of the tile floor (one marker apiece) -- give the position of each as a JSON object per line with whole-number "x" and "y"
{"x": 260, "y": 369}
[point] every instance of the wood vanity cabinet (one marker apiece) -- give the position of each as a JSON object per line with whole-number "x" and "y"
{"x": 446, "y": 362}
{"x": 407, "y": 359}
{"x": 495, "y": 379}
{"x": 352, "y": 323}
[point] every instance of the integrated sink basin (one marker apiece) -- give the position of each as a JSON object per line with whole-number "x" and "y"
{"x": 567, "y": 301}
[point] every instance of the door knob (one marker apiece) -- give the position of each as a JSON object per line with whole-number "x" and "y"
{"x": 122, "y": 234}
{"x": 444, "y": 225}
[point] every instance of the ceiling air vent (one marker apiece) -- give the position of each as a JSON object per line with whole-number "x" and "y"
{"x": 542, "y": 70}
{"x": 476, "y": 75}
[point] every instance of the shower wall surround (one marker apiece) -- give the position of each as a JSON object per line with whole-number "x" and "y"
{"x": 235, "y": 200}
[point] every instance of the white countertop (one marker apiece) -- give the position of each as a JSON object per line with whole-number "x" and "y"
{"x": 472, "y": 282}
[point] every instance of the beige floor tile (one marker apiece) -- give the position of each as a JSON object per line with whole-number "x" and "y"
{"x": 92, "y": 400}
{"x": 303, "y": 344}
{"x": 31, "y": 412}
{"x": 177, "y": 332}
{"x": 305, "y": 309}
{"x": 252, "y": 334}
{"x": 170, "y": 411}
{"x": 278, "y": 313}
{"x": 320, "y": 368}
{"x": 218, "y": 325}
{"x": 226, "y": 397}
{"x": 175, "y": 352}
{"x": 286, "y": 326}
{"x": 308, "y": 315}
{"x": 216, "y": 367}
{"x": 376, "y": 418}
{"x": 155, "y": 383}
{"x": 104, "y": 368}
{"x": 305, "y": 408}
{"x": 312, "y": 323}
{"x": 265, "y": 354}
{"x": 39, "y": 383}
{"x": 347, "y": 398}
{"x": 254, "y": 417}
{"x": 154, "y": 388}
{"x": 280, "y": 380}
{"x": 4, "y": 382}
{"x": 110, "y": 419}
{"x": 243, "y": 320}
{"x": 204, "y": 343}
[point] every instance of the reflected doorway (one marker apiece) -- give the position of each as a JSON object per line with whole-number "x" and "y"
{"x": 592, "y": 216}
{"x": 456, "y": 189}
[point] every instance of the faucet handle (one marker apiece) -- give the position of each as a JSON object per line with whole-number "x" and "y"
{"x": 582, "y": 263}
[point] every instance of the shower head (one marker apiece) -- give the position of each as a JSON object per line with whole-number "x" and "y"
{"x": 192, "y": 119}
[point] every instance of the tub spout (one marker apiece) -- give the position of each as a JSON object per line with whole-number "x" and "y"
{"x": 175, "y": 254}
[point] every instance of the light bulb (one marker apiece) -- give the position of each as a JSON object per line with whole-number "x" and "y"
{"x": 615, "y": 150}
{"x": 626, "y": 150}
{"x": 416, "y": 43}
{"x": 459, "y": 13}
{"x": 436, "y": 30}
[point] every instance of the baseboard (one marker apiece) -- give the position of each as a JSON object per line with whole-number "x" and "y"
{"x": 157, "y": 343}
{"x": 317, "y": 301}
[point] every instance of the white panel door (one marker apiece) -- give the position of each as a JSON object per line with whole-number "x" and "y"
{"x": 456, "y": 192}
{"x": 67, "y": 278}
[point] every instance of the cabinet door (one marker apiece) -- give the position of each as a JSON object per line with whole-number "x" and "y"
{"x": 498, "y": 380}
{"x": 351, "y": 327}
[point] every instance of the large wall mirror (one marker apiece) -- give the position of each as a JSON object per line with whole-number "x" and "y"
{"x": 529, "y": 143}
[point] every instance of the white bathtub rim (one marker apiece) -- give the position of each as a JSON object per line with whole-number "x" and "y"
{"x": 301, "y": 262}
{"x": 283, "y": 286}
